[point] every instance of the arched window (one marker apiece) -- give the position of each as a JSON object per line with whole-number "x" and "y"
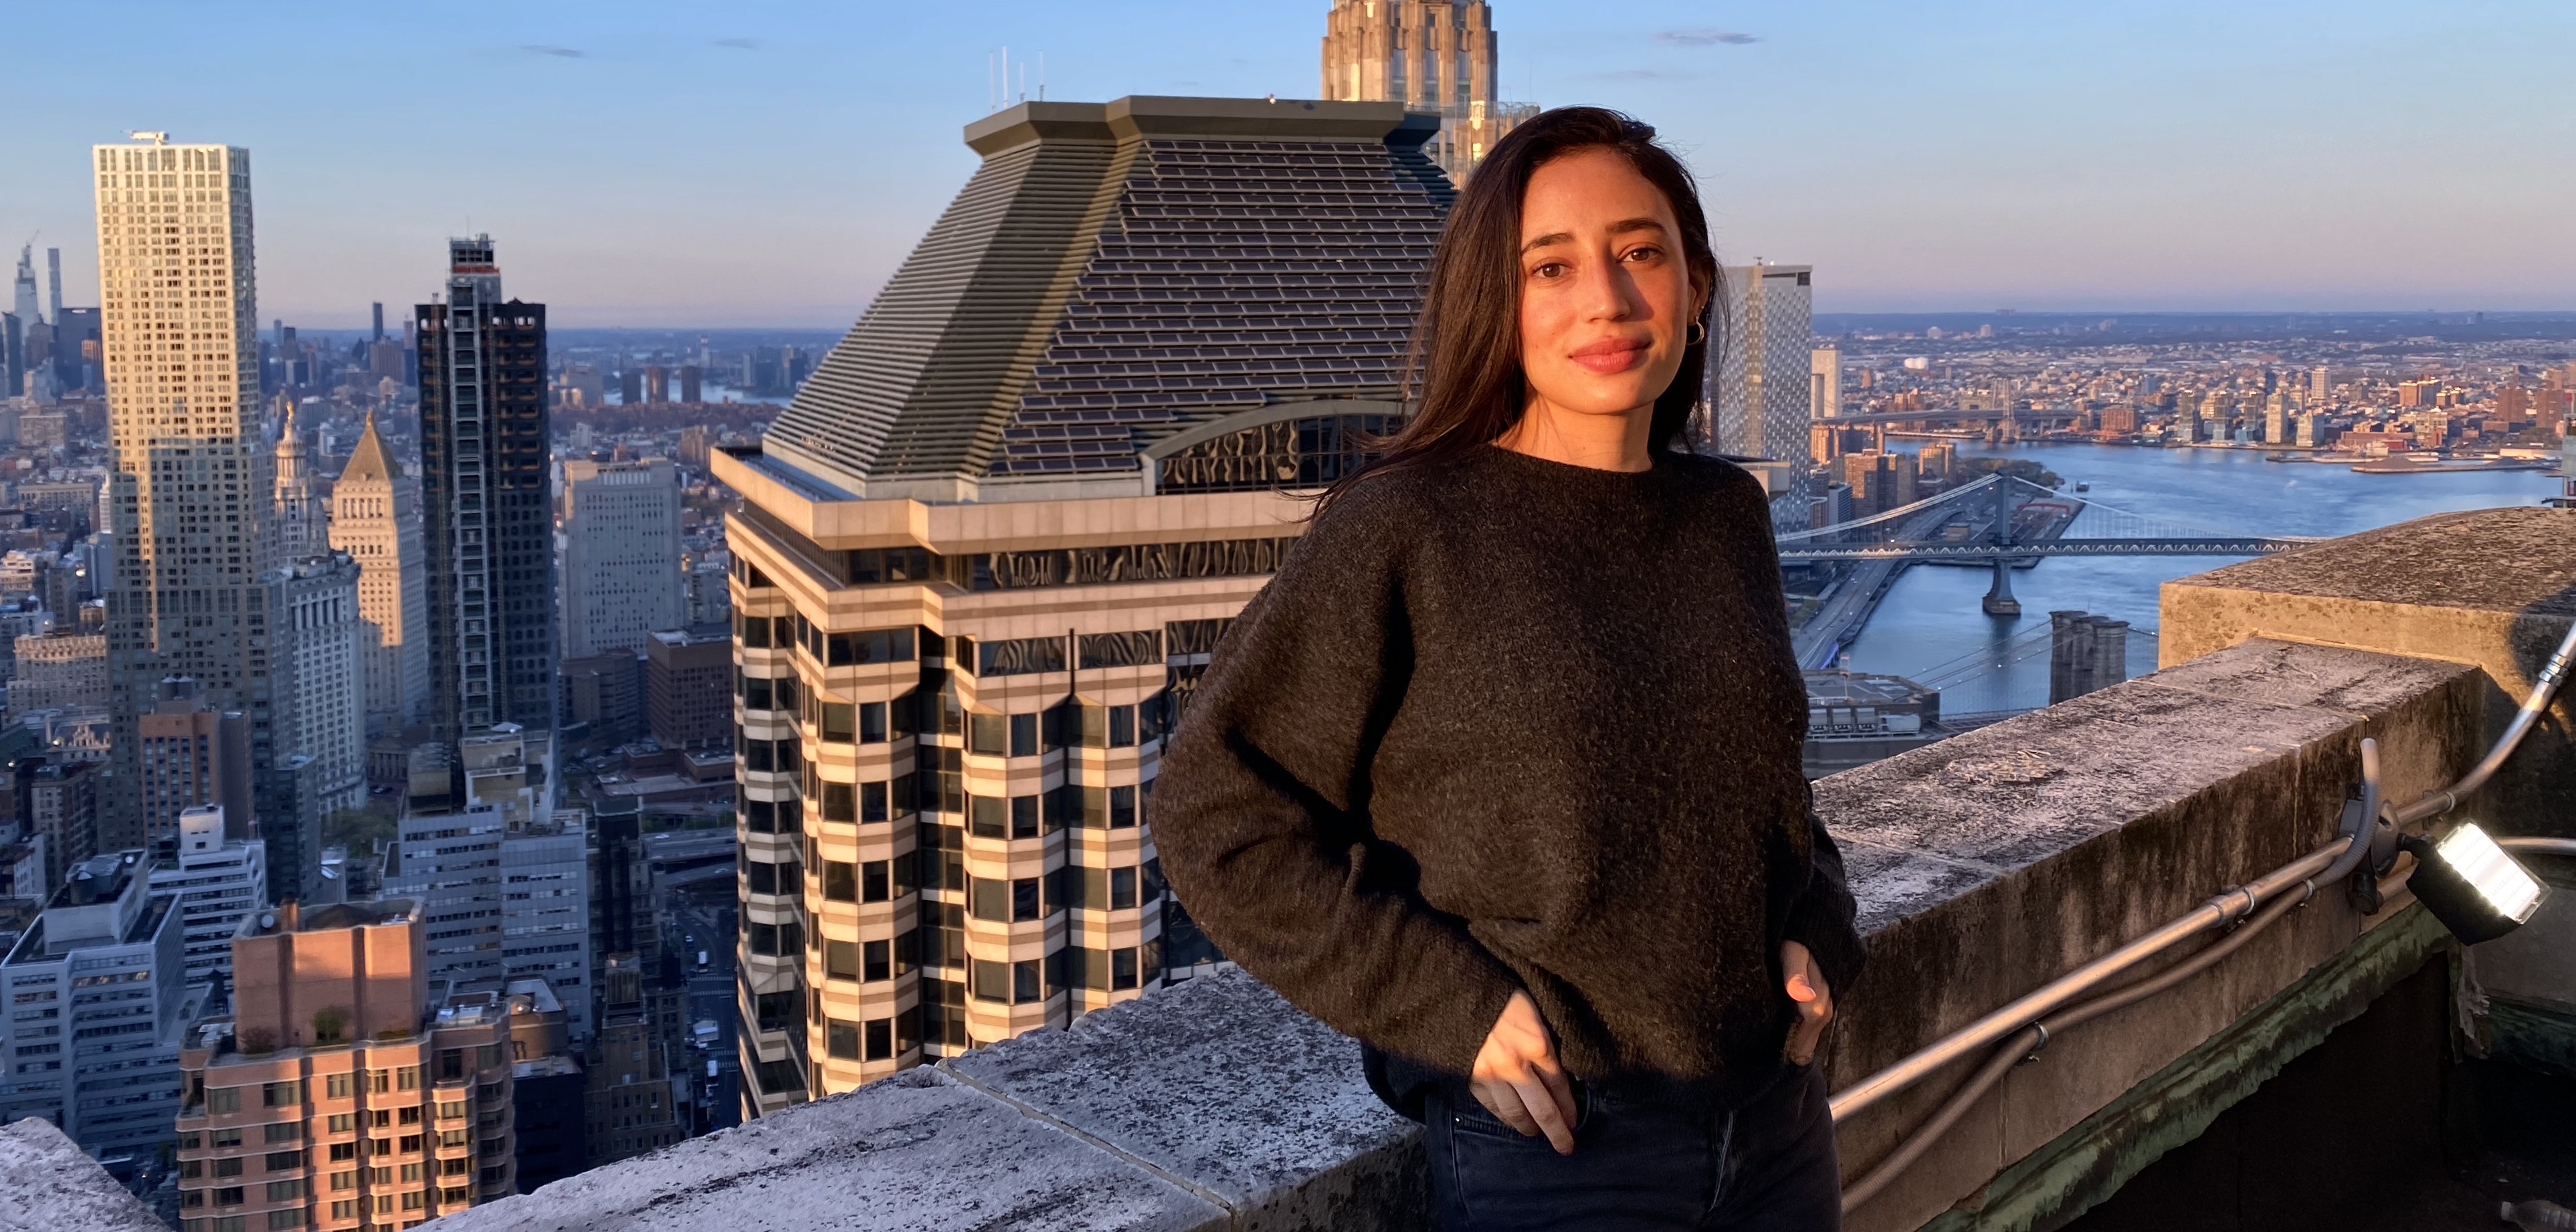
{"x": 1290, "y": 454}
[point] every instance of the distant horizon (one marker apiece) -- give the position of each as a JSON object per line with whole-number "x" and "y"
{"x": 393, "y": 325}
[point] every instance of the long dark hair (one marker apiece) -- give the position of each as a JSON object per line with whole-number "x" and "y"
{"x": 1463, "y": 384}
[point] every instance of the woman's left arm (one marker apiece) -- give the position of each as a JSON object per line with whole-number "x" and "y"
{"x": 1822, "y": 918}
{"x": 1820, "y": 950}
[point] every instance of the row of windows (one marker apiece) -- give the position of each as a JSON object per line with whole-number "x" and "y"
{"x": 938, "y": 865}
{"x": 1007, "y": 983}
{"x": 829, "y": 649}
{"x": 1030, "y": 980}
{"x": 1069, "y": 724}
{"x": 1136, "y": 562}
{"x": 871, "y": 961}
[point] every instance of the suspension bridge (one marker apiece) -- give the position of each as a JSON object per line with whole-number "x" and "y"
{"x": 2005, "y": 516}
{"x": 1999, "y": 521}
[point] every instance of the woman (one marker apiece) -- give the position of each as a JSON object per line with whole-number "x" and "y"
{"x": 1500, "y": 774}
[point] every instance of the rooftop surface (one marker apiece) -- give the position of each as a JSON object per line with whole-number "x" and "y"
{"x": 2508, "y": 560}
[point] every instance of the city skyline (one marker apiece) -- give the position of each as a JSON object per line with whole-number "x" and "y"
{"x": 2180, "y": 158}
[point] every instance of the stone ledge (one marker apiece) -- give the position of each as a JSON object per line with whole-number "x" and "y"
{"x": 1259, "y": 1107}
{"x": 53, "y": 1187}
{"x": 1213, "y": 1105}
{"x": 919, "y": 1150}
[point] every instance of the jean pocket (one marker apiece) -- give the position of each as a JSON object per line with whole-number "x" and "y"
{"x": 1468, "y": 1115}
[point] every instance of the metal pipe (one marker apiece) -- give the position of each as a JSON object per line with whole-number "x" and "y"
{"x": 2024, "y": 1045}
{"x": 2539, "y": 846}
{"x": 2367, "y": 817}
{"x": 2227, "y": 906}
{"x": 2533, "y": 706}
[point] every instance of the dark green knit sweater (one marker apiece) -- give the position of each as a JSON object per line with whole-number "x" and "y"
{"x": 1506, "y": 724}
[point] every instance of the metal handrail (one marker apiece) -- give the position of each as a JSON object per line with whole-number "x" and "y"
{"x": 2223, "y": 908}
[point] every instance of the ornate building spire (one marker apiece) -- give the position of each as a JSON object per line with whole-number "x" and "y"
{"x": 1429, "y": 55}
{"x": 303, "y": 510}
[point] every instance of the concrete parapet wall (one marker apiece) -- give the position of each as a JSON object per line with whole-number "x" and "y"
{"x": 1209, "y": 1106}
{"x": 1992, "y": 863}
{"x": 2495, "y": 588}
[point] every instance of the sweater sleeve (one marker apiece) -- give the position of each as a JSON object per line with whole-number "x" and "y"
{"x": 1822, "y": 919}
{"x": 1261, "y": 810}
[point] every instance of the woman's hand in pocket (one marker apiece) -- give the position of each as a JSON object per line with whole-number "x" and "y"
{"x": 1815, "y": 1002}
{"x": 1519, "y": 1079}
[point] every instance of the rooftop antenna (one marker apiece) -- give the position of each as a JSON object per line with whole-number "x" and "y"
{"x": 1041, "y": 76}
{"x": 992, "y": 97}
{"x": 1006, "y": 74}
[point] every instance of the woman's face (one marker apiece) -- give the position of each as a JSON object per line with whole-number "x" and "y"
{"x": 1606, "y": 299}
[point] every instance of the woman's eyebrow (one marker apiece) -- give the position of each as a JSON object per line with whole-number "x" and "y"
{"x": 1621, "y": 227}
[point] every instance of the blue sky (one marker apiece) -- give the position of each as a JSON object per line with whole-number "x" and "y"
{"x": 667, "y": 164}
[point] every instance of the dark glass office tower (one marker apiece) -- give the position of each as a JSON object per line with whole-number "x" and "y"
{"x": 484, "y": 436}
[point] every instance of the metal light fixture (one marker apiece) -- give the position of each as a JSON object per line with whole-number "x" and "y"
{"x": 2470, "y": 884}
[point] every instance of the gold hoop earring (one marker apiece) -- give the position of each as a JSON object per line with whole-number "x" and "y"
{"x": 1702, "y": 332}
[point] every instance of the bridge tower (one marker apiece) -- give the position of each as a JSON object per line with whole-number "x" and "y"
{"x": 1999, "y": 597}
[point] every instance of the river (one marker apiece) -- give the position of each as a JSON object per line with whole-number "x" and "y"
{"x": 1931, "y": 617}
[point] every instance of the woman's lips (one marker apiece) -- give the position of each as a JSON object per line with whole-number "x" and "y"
{"x": 1610, "y": 355}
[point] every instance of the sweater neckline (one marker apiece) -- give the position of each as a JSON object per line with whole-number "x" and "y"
{"x": 1573, "y": 472}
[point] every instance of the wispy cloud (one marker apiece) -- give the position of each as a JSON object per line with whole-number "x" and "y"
{"x": 542, "y": 49}
{"x": 1641, "y": 74}
{"x": 739, "y": 44}
{"x": 1703, "y": 36}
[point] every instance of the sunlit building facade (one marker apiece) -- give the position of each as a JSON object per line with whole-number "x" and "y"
{"x": 190, "y": 501}
{"x": 376, "y": 519}
{"x": 1430, "y": 56}
{"x": 346, "y": 1089}
{"x": 1761, "y": 376}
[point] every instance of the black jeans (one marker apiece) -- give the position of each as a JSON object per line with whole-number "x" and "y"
{"x": 1642, "y": 1160}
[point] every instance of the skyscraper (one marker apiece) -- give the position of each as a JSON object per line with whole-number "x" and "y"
{"x": 190, "y": 499}
{"x": 23, "y": 301}
{"x": 303, "y": 513}
{"x": 318, "y": 596}
{"x": 1761, "y": 388}
{"x": 973, "y": 584}
{"x": 1824, "y": 383}
{"x": 621, "y": 559}
{"x": 376, "y": 519}
{"x": 1431, "y": 56}
{"x": 489, "y": 529}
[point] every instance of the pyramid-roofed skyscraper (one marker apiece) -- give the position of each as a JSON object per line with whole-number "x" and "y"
{"x": 983, "y": 557}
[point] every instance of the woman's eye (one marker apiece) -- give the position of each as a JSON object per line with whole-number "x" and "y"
{"x": 1643, "y": 253}
{"x": 1551, "y": 269}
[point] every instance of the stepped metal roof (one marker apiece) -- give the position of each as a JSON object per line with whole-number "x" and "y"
{"x": 1117, "y": 272}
